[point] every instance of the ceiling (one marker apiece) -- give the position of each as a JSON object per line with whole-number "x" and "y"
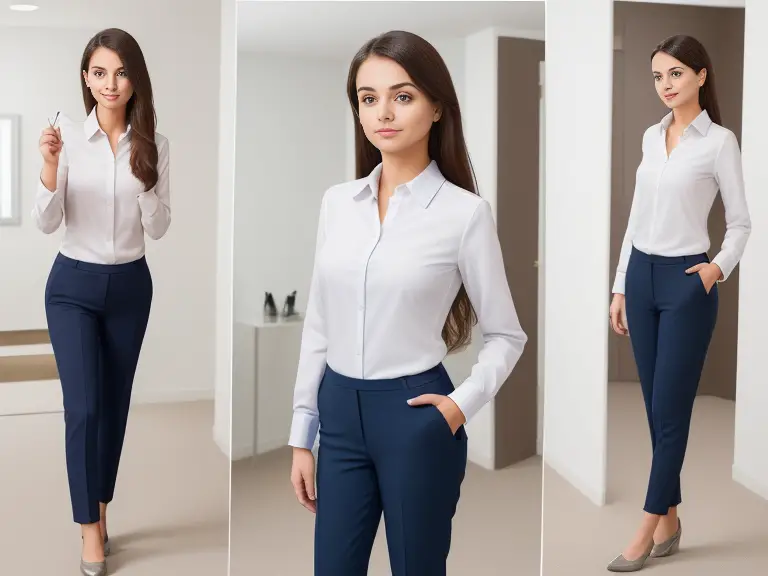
{"x": 87, "y": 14}
{"x": 334, "y": 29}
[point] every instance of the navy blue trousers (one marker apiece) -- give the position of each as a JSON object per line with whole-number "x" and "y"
{"x": 671, "y": 318}
{"x": 379, "y": 454}
{"x": 97, "y": 316}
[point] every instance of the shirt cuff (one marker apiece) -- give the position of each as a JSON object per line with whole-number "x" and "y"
{"x": 303, "y": 430}
{"x": 619, "y": 283}
{"x": 469, "y": 398}
{"x": 149, "y": 203}
{"x": 722, "y": 261}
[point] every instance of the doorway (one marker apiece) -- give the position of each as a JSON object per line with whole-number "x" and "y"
{"x": 519, "y": 184}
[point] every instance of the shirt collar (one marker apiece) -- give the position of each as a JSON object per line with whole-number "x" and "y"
{"x": 91, "y": 126}
{"x": 702, "y": 122}
{"x": 424, "y": 187}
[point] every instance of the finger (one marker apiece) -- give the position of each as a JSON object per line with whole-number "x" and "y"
{"x": 423, "y": 399}
{"x": 48, "y": 140}
{"x": 309, "y": 486}
{"x": 693, "y": 269}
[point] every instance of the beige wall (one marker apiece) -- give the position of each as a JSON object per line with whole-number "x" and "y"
{"x": 639, "y": 28}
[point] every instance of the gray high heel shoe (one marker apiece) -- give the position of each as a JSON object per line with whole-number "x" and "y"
{"x": 93, "y": 568}
{"x": 669, "y": 546}
{"x": 621, "y": 564}
{"x": 107, "y": 546}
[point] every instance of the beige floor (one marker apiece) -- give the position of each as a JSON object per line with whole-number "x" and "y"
{"x": 170, "y": 514}
{"x": 497, "y": 528}
{"x": 725, "y": 527}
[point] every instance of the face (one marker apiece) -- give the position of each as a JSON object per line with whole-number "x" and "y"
{"x": 395, "y": 115}
{"x": 676, "y": 84}
{"x": 107, "y": 79}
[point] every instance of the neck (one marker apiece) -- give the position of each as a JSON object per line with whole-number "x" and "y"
{"x": 400, "y": 168}
{"x": 684, "y": 115}
{"x": 111, "y": 120}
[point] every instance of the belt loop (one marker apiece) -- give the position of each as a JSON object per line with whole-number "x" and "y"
{"x": 405, "y": 383}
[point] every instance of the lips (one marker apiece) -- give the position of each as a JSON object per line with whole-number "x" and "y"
{"x": 387, "y": 131}
{"x": 111, "y": 96}
{"x": 669, "y": 96}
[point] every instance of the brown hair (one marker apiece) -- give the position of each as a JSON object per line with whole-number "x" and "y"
{"x": 692, "y": 53}
{"x": 140, "y": 110}
{"x": 446, "y": 145}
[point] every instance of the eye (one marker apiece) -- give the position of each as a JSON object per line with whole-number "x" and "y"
{"x": 98, "y": 73}
{"x": 367, "y": 100}
{"x": 403, "y": 97}
{"x": 677, "y": 74}
{"x": 657, "y": 77}
{"x": 123, "y": 73}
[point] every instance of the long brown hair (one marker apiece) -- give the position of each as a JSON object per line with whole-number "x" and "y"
{"x": 140, "y": 110}
{"x": 446, "y": 145}
{"x": 692, "y": 53}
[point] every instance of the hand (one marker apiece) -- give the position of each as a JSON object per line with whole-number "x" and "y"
{"x": 709, "y": 273}
{"x": 50, "y": 145}
{"x": 617, "y": 314}
{"x": 448, "y": 408}
{"x": 303, "y": 478}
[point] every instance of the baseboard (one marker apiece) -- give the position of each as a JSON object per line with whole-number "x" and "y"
{"x": 482, "y": 460}
{"x": 596, "y": 496}
{"x": 222, "y": 440}
{"x": 152, "y": 396}
{"x": 241, "y": 450}
{"x": 44, "y": 397}
{"x": 264, "y": 447}
{"x": 31, "y": 349}
{"x": 749, "y": 482}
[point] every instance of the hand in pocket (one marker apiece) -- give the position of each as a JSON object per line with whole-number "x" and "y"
{"x": 447, "y": 407}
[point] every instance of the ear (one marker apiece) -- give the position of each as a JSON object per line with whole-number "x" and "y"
{"x": 702, "y": 77}
{"x": 85, "y": 78}
{"x": 438, "y": 114}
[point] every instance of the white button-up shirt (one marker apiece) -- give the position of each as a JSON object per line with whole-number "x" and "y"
{"x": 674, "y": 194}
{"x": 104, "y": 206}
{"x": 380, "y": 294}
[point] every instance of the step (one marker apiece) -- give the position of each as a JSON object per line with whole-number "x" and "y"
{"x": 24, "y": 337}
{"x": 27, "y": 368}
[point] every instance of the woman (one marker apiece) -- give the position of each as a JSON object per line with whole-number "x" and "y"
{"x": 407, "y": 260}
{"x": 670, "y": 283}
{"x": 107, "y": 178}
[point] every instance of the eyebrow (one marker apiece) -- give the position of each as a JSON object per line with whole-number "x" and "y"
{"x": 104, "y": 69}
{"x": 670, "y": 70}
{"x": 393, "y": 87}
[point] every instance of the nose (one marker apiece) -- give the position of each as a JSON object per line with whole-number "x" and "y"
{"x": 112, "y": 83}
{"x": 386, "y": 111}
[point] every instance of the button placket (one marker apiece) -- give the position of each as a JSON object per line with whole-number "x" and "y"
{"x": 362, "y": 296}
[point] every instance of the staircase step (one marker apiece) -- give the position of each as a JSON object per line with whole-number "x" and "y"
{"x": 29, "y": 367}
{"x": 24, "y": 337}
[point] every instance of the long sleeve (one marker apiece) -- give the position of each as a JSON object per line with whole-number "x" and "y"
{"x": 312, "y": 357}
{"x": 729, "y": 175}
{"x": 482, "y": 269}
{"x": 48, "y": 211}
{"x": 155, "y": 204}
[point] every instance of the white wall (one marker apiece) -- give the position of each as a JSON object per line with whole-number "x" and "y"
{"x": 291, "y": 146}
{"x": 750, "y": 466}
{"x": 39, "y": 68}
{"x": 578, "y": 194}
